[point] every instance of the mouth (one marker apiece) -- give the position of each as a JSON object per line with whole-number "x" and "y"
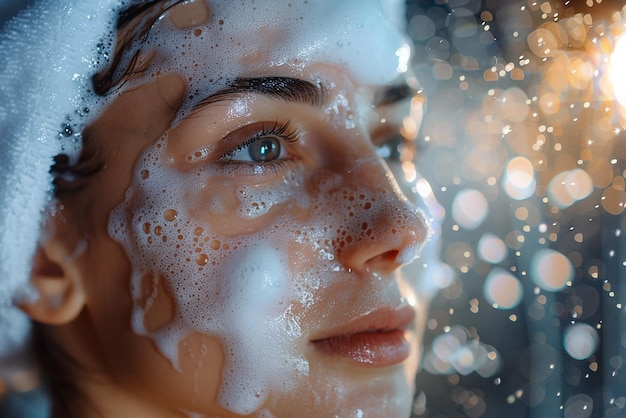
{"x": 377, "y": 339}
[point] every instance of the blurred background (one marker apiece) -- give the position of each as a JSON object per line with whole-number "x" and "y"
{"x": 523, "y": 147}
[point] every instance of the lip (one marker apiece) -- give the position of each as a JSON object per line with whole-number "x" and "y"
{"x": 376, "y": 339}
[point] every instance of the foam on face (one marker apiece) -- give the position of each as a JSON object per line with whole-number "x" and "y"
{"x": 251, "y": 291}
{"x": 256, "y": 289}
{"x": 240, "y": 39}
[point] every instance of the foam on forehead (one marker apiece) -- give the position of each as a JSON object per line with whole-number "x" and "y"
{"x": 243, "y": 38}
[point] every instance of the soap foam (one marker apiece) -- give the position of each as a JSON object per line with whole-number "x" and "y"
{"x": 49, "y": 101}
{"x": 241, "y": 39}
{"x": 245, "y": 312}
{"x": 250, "y": 290}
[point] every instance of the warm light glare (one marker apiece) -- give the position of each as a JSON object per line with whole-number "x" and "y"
{"x": 617, "y": 69}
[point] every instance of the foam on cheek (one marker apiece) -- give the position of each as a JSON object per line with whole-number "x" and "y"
{"x": 348, "y": 217}
{"x": 233, "y": 288}
{"x": 243, "y": 39}
{"x": 265, "y": 343}
{"x": 254, "y": 291}
{"x": 258, "y": 201}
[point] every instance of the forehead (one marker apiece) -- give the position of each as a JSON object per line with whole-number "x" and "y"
{"x": 211, "y": 43}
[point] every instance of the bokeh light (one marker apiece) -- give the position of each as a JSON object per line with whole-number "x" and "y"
{"x": 578, "y": 406}
{"x": 519, "y": 179}
{"x": 455, "y": 351}
{"x": 551, "y": 270}
{"x": 502, "y": 289}
{"x": 470, "y": 208}
{"x": 569, "y": 186}
{"x": 491, "y": 248}
{"x": 526, "y": 152}
{"x": 580, "y": 340}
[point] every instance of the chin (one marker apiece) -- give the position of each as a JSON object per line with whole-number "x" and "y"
{"x": 340, "y": 391}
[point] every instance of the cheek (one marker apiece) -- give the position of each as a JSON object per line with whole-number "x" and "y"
{"x": 210, "y": 272}
{"x": 230, "y": 208}
{"x": 257, "y": 267}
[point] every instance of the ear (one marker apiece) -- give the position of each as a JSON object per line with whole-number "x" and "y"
{"x": 61, "y": 296}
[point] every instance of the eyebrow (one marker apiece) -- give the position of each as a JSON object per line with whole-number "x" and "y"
{"x": 287, "y": 89}
{"x": 394, "y": 94}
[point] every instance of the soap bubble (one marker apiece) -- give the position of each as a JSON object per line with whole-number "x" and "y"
{"x": 470, "y": 208}
{"x": 502, "y": 289}
{"x": 551, "y": 270}
{"x": 580, "y": 340}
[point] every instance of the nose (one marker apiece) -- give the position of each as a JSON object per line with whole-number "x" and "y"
{"x": 383, "y": 230}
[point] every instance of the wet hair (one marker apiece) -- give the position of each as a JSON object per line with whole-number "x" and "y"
{"x": 133, "y": 26}
{"x": 59, "y": 371}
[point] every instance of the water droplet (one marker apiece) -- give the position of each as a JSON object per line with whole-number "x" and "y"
{"x": 67, "y": 130}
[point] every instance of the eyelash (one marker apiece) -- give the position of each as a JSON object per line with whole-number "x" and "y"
{"x": 278, "y": 130}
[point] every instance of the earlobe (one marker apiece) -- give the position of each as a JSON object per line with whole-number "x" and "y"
{"x": 61, "y": 296}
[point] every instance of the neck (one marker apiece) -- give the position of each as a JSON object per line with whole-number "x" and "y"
{"x": 99, "y": 398}
{"x": 79, "y": 386}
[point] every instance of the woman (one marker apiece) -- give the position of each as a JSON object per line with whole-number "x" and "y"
{"x": 229, "y": 241}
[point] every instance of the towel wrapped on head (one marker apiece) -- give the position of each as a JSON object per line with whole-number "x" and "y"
{"x": 48, "y": 53}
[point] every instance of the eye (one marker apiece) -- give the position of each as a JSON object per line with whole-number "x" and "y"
{"x": 265, "y": 146}
{"x": 394, "y": 149}
{"x": 261, "y": 150}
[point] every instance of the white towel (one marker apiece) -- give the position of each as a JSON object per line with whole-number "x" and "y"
{"x": 47, "y": 57}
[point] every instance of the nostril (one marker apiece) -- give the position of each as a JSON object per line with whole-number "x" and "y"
{"x": 387, "y": 233}
{"x": 386, "y": 258}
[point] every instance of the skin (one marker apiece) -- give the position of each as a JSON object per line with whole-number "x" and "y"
{"x": 121, "y": 312}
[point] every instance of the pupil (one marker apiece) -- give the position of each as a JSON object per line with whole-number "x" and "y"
{"x": 264, "y": 150}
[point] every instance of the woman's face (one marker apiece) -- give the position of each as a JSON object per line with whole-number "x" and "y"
{"x": 249, "y": 227}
